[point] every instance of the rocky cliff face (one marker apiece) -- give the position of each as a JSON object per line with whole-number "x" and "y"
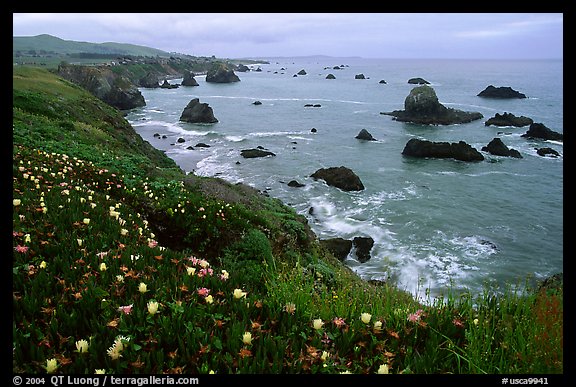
{"x": 109, "y": 87}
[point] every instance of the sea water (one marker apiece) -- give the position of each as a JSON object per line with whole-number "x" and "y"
{"x": 438, "y": 224}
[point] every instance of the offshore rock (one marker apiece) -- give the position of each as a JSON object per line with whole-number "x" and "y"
{"x": 196, "y": 112}
{"x": 424, "y": 148}
{"x": 189, "y": 79}
{"x": 418, "y": 81}
{"x": 498, "y": 148}
{"x": 508, "y": 119}
{"x": 500, "y": 92}
{"x": 339, "y": 177}
{"x": 365, "y": 135}
{"x": 221, "y": 73}
{"x": 252, "y": 153}
{"x": 540, "y": 131}
{"x": 421, "y": 106}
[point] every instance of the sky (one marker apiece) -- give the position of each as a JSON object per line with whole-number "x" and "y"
{"x": 367, "y": 35}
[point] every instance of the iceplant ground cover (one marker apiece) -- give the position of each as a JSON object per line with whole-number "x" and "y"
{"x": 95, "y": 292}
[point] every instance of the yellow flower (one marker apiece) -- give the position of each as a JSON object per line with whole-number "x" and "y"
{"x": 365, "y": 317}
{"x": 211, "y": 372}
{"x": 377, "y": 325}
{"x": 123, "y": 232}
{"x": 238, "y": 293}
{"x": 247, "y": 338}
{"x": 324, "y": 356}
{"x": 209, "y": 299}
{"x": 120, "y": 278}
{"x": 82, "y": 346}
{"x": 142, "y": 288}
{"x": 475, "y": 321}
{"x": 27, "y": 238}
{"x": 99, "y": 371}
{"x": 152, "y": 307}
{"x": 79, "y": 242}
{"x": 16, "y": 202}
{"x": 190, "y": 270}
{"x": 51, "y": 365}
{"x": 317, "y": 323}
{"x": 86, "y": 221}
{"x": 103, "y": 266}
{"x": 383, "y": 369}
{"x": 43, "y": 265}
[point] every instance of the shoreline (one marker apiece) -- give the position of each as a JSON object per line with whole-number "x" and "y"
{"x": 170, "y": 147}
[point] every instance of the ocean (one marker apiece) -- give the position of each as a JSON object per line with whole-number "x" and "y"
{"x": 437, "y": 224}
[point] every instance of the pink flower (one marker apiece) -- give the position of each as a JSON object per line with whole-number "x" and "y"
{"x": 203, "y": 292}
{"x": 457, "y": 323}
{"x": 415, "y": 317}
{"x": 152, "y": 243}
{"x": 126, "y": 309}
{"x": 339, "y": 322}
{"x": 21, "y": 249}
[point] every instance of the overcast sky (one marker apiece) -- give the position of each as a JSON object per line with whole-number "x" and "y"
{"x": 368, "y": 35}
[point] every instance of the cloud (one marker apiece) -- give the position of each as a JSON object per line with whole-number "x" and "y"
{"x": 291, "y": 34}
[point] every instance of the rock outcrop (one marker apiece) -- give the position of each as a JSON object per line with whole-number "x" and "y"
{"x": 339, "y": 177}
{"x": 253, "y": 153}
{"x": 189, "y": 80}
{"x": 221, "y": 73}
{"x": 500, "y": 92}
{"x": 418, "y": 81}
{"x": 115, "y": 90}
{"x": 424, "y": 148}
{"x": 168, "y": 85}
{"x": 149, "y": 81}
{"x": 365, "y": 135}
{"x": 508, "y": 119}
{"x": 540, "y": 131}
{"x": 341, "y": 247}
{"x": 498, "y": 148}
{"x": 421, "y": 106}
{"x": 547, "y": 151}
{"x": 196, "y": 112}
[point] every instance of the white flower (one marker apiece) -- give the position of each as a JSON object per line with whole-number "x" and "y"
{"x": 82, "y": 346}
{"x": 152, "y": 307}
{"x": 247, "y": 338}
{"x": 142, "y": 288}
{"x": 238, "y": 293}
{"x": 365, "y": 317}
{"x": 51, "y": 365}
{"x": 317, "y": 323}
{"x": 383, "y": 369}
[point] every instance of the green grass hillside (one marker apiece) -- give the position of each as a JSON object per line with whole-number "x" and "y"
{"x": 45, "y": 44}
{"x": 124, "y": 264}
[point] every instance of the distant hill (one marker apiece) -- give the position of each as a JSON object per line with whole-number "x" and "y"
{"x": 51, "y": 45}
